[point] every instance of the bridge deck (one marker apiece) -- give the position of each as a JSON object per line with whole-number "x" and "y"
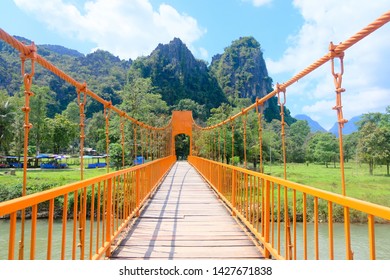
{"x": 184, "y": 220}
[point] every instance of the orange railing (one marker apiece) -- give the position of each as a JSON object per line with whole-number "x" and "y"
{"x": 263, "y": 203}
{"x": 87, "y": 217}
{"x": 247, "y": 192}
{"x": 100, "y": 208}
{"x": 145, "y": 137}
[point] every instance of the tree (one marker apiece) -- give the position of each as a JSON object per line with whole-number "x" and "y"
{"x": 61, "y": 132}
{"x": 296, "y": 138}
{"x": 374, "y": 138}
{"x": 322, "y": 147}
{"x": 384, "y": 143}
{"x": 7, "y": 116}
{"x": 350, "y": 143}
{"x": 374, "y": 145}
{"x": 95, "y": 132}
{"x": 38, "y": 114}
{"x": 72, "y": 112}
{"x": 198, "y": 111}
{"x": 18, "y": 127}
{"x": 141, "y": 101}
{"x": 116, "y": 155}
{"x": 327, "y": 149}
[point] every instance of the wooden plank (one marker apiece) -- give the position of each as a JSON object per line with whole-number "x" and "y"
{"x": 188, "y": 252}
{"x": 185, "y": 219}
{"x": 189, "y": 243}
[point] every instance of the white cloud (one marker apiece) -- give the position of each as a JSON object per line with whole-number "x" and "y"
{"x": 258, "y": 3}
{"x": 126, "y": 28}
{"x": 204, "y": 54}
{"x": 366, "y": 63}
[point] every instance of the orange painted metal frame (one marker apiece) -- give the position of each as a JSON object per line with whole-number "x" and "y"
{"x": 115, "y": 198}
{"x": 265, "y": 195}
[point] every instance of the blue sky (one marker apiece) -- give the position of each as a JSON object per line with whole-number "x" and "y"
{"x": 292, "y": 35}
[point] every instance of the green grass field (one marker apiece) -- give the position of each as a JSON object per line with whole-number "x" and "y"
{"x": 359, "y": 184}
{"x": 40, "y": 180}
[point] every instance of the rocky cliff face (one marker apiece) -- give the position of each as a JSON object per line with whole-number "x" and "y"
{"x": 241, "y": 71}
{"x": 177, "y": 75}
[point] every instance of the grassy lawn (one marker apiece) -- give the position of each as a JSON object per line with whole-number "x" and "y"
{"x": 57, "y": 177}
{"x": 359, "y": 184}
{"x": 39, "y": 180}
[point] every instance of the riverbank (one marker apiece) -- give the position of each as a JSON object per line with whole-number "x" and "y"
{"x": 372, "y": 188}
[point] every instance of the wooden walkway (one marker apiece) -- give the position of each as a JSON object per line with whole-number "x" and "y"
{"x": 186, "y": 220}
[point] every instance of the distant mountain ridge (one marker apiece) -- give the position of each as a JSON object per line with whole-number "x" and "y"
{"x": 314, "y": 126}
{"x": 349, "y": 127}
{"x": 62, "y": 50}
{"x": 239, "y": 72}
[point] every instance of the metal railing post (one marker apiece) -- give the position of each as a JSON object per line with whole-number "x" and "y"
{"x": 108, "y": 215}
{"x": 234, "y": 191}
{"x": 137, "y": 190}
{"x": 266, "y": 216}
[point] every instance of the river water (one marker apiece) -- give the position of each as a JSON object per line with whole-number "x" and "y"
{"x": 359, "y": 233}
{"x": 359, "y": 241}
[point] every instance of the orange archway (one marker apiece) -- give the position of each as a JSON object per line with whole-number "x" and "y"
{"x": 181, "y": 124}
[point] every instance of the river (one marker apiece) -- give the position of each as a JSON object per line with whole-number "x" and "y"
{"x": 359, "y": 241}
{"x": 358, "y": 237}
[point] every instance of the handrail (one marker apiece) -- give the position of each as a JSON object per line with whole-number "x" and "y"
{"x": 109, "y": 200}
{"x": 29, "y": 52}
{"x": 263, "y": 202}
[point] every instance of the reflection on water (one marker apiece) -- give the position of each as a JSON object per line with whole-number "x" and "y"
{"x": 359, "y": 239}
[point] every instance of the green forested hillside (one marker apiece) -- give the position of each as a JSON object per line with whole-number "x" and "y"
{"x": 148, "y": 88}
{"x": 103, "y": 72}
{"x": 177, "y": 74}
{"x": 241, "y": 73}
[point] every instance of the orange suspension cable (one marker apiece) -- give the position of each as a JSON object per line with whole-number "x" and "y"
{"x": 244, "y": 116}
{"x": 148, "y": 144}
{"x": 142, "y": 141}
{"x": 82, "y": 104}
{"x": 122, "y": 128}
{"x": 385, "y": 18}
{"x": 31, "y": 50}
{"x": 155, "y": 143}
{"x": 135, "y": 142}
{"x": 107, "y": 111}
{"x": 215, "y": 146}
{"x": 219, "y": 145}
{"x": 281, "y": 103}
{"x": 338, "y": 79}
{"x": 224, "y": 145}
{"x": 27, "y": 80}
{"x": 210, "y": 145}
{"x": 260, "y": 131}
{"x": 232, "y": 124}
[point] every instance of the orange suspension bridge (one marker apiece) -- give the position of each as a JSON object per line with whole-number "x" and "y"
{"x": 168, "y": 209}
